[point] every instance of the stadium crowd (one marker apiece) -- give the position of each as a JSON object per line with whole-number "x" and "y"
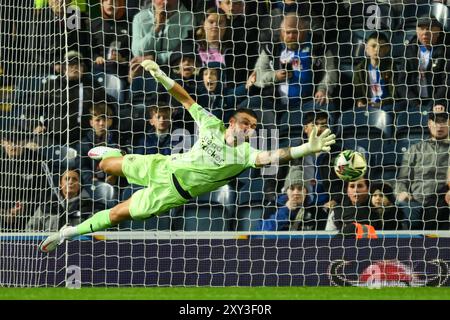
{"x": 72, "y": 80}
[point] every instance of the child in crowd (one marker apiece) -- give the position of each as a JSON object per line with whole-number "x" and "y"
{"x": 159, "y": 138}
{"x": 294, "y": 211}
{"x": 373, "y": 77}
{"x": 383, "y": 201}
{"x": 101, "y": 121}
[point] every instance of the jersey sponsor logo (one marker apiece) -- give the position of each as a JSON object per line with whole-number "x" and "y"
{"x": 213, "y": 150}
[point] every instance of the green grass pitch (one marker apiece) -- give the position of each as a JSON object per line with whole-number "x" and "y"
{"x": 228, "y": 293}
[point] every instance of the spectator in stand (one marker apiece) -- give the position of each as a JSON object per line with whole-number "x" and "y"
{"x": 101, "y": 134}
{"x": 295, "y": 210}
{"x": 382, "y": 199}
{"x": 159, "y": 138}
{"x": 110, "y": 39}
{"x": 374, "y": 76}
{"x": 354, "y": 207}
{"x": 298, "y": 73}
{"x": 63, "y": 115}
{"x": 324, "y": 187}
{"x": 421, "y": 187}
{"x": 158, "y": 31}
{"x": 426, "y": 65}
{"x": 23, "y": 185}
{"x": 185, "y": 69}
{"x": 68, "y": 204}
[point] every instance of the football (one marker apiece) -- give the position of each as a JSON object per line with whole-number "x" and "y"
{"x": 350, "y": 165}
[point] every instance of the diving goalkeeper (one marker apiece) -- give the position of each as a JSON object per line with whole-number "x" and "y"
{"x": 219, "y": 155}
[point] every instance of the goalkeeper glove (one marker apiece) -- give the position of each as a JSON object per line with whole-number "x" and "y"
{"x": 315, "y": 144}
{"x": 159, "y": 75}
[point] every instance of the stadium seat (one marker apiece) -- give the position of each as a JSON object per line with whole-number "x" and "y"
{"x": 251, "y": 200}
{"x": 372, "y": 123}
{"x": 411, "y": 123}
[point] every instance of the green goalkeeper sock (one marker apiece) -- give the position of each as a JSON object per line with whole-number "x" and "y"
{"x": 98, "y": 222}
{"x": 112, "y": 154}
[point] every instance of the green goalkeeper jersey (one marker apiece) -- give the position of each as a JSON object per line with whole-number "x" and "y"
{"x": 211, "y": 163}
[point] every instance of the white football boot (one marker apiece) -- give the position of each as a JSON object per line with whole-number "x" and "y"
{"x": 54, "y": 240}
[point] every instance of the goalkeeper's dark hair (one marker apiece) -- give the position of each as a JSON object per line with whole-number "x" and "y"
{"x": 250, "y": 112}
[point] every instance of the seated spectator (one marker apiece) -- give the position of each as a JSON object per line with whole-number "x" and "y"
{"x": 383, "y": 201}
{"x": 425, "y": 65}
{"x": 68, "y": 204}
{"x": 245, "y": 35}
{"x": 421, "y": 183}
{"x": 298, "y": 73}
{"x": 62, "y": 115}
{"x": 354, "y": 207}
{"x": 23, "y": 184}
{"x": 295, "y": 210}
{"x": 374, "y": 77}
{"x": 110, "y": 39}
{"x": 211, "y": 44}
{"x": 185, "y": 70}
{"x": 159, "y": 138}
{"x": 212, "y": 95}
{"x": 158, "y": 31}
{"x": 325, "y": 188}
{"x": 101, "y": 122}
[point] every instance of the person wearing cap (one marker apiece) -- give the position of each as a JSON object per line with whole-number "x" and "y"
{"x": 294, "y": 211}
{"x": 425, "y": 64}
{"x": 422, "y": 180}
{"x": 64, "y": 109}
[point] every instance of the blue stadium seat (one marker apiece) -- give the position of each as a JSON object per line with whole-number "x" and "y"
{"x": 372, "y": 123}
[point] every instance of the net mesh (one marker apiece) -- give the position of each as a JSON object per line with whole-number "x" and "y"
{"x": 371, "y": 71}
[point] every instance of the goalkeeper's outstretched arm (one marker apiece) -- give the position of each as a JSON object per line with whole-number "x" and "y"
{"x": 171, "y": 86}
{"x": 315, "y": 144}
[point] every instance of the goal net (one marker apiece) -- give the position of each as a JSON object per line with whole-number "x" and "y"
{"x": 373, "y": 72}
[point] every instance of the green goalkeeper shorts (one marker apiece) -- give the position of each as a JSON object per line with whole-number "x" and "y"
{"x": 159, "y": 194}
